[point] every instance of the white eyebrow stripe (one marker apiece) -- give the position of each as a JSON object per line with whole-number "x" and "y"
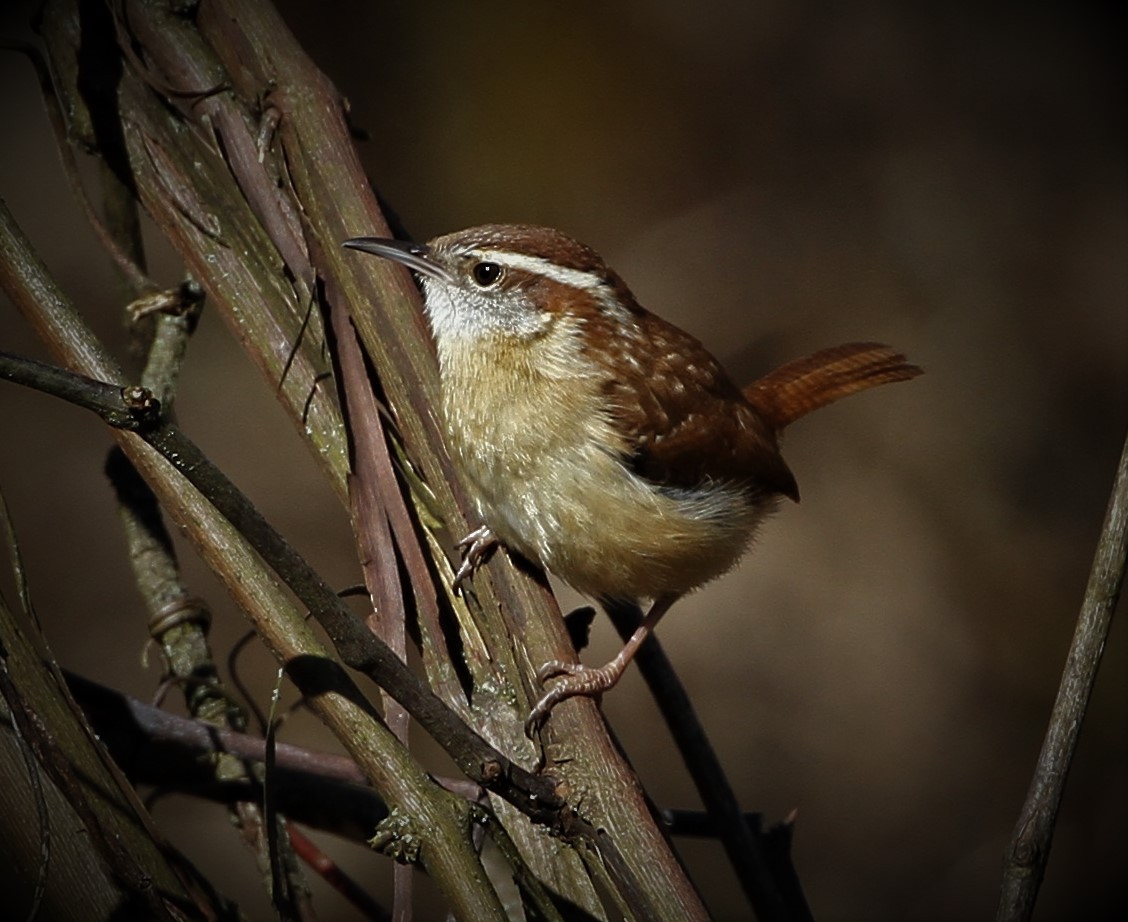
{"x": 574, "y": 278}
{"x": 565, "y": 275}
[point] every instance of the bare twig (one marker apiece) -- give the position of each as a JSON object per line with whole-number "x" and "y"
{"x": 320, "y": 789}
{"x": 109, "y": 401}
{"x": 332, "y": 873}
{"x": 378, "y": 512}
{"x": 1029, "y": 848}
{"x": 34, "y": 779}
{"x": 148, "y": 876}
{"x": 129, "y": 268}
{"x": 768, "y": 879}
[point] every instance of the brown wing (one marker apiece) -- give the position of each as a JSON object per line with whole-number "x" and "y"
{"x": 686, "y": 422}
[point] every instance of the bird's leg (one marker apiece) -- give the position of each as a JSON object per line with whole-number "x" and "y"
{"x": 577, "y": 679}
{"x": 477, "y": 547}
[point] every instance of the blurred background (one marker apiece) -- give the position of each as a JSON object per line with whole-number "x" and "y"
{"x": 776, "y": 178}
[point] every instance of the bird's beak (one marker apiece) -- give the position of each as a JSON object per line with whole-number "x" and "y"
{"x": 417, "y": 256}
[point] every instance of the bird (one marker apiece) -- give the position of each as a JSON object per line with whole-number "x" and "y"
{"x": 598, "y": 440}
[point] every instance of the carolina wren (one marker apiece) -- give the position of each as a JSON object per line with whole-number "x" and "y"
{"x": 598, "y": 440}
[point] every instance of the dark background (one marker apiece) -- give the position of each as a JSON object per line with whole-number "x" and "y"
{"x": 775, "y": 178}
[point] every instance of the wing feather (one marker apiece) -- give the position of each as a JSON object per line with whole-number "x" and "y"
{"x": 686, "y": 423}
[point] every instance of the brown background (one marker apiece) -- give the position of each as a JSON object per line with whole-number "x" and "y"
{"x": 775, "y": 178}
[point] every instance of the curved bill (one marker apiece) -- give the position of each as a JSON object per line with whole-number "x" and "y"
{"x": 416, "y": 256}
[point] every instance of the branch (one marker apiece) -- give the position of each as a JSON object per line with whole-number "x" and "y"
{"x": 156, "y": 747}
{"x": 85, "y": 790}
{"x": 763, "y": 868}
{"x": 443, "y": 820}
{"x": 1029, "y": 848}
{"x": 132, "y": 409}
{"x": 127, "y": 408}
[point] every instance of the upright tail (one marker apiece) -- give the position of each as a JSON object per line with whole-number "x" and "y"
{"x": 795, "y": 389}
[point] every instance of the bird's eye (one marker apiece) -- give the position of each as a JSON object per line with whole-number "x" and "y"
{"x": 486, "y": 273}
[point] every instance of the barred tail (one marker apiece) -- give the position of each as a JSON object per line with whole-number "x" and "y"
{"x": 795, "y": 389}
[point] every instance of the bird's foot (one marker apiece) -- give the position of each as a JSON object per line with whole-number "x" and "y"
{"x": 477, "y": 548}
{"x": 576, "y": 680}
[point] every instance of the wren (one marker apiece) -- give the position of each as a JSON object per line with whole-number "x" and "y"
{"x": 598, "y": 440}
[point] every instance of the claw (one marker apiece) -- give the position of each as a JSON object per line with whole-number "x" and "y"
{"x": 575, "y": 680}
{"x": 558, "y": 667}
{"x": 478, "y": 545}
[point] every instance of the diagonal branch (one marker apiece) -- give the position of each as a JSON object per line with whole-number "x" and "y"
{"x": 443, "y": 818}
{"x": 762, "y": 861}
{"x": 131, "y": 408}
{"x": 1029, "y": 848}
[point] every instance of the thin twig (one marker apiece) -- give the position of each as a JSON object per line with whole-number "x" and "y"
{"x": 334, "y": 875}
{"x": 375, "y": 503}
{"x": 772, "y": 895}
{"x": 178, "y": 621}
{"x": 320, "y": 789}
{"x": 34, "y": 777}
{"x": 1029, "y": 849}
{"x": 109, "y": 401}
{"x": 131, "y": 270}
